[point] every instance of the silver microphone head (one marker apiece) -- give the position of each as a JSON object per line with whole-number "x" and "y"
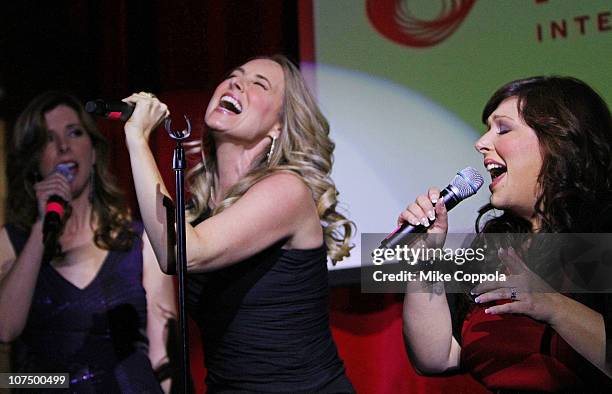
{"x": 64, "y": 169}
{"x": 467, "y": 182}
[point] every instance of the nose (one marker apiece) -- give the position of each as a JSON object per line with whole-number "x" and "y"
{"x": 484, "y": 143}
{"x": 62, "y": 145}
{"x": 236, "y": 83}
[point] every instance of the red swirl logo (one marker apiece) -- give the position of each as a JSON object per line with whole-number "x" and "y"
{"x": 394, "y": 20}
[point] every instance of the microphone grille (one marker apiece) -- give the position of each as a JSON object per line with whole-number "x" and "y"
{"x": 64, "y": 169}
{"x": 467, "y": 181}
{"x": 95, "y": 107}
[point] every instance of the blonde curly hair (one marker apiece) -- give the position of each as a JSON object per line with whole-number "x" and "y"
{"x": 303, "y": 148}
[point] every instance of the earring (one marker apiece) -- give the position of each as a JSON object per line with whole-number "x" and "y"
{"x": 271, "y": 148}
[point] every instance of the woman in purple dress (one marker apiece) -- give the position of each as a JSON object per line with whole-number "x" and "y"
{"x": 92, "y": 302}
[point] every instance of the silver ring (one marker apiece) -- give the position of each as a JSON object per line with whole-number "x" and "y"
{"x": 150, "y": 95}
{"x": 513, "y": 293}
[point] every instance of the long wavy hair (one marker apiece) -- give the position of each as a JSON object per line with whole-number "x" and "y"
{"x": 574, "y": 129}
{"x": 303, "y": 148}
{"x": 109, "y": 212}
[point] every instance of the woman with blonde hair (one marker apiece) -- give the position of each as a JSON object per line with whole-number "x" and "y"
{"x": 264, "y": 220}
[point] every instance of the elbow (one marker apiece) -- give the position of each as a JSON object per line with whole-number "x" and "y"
{"x": 196, "y": 267}
{"x": 422, "y": 361}
{"x": 424, "y": 365}
{"x": 427, "y": 368}
{"x": 201, "y": 264}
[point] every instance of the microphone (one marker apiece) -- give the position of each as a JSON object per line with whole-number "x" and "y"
{"x": 465, "y": 184}
{"x": 114, "y": 110}
{"x": 55, "y": 209}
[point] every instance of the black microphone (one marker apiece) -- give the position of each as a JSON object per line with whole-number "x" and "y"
{"x": 114, "y": 110}
{"x": 54, "y": 214}
{"x": 465, "y": 184}
{"x": 55, "y": 210}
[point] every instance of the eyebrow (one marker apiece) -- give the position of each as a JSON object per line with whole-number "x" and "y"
{"x": 495, "y": 117}
{"x": 256, "y": 76}
{"x": 70, "y": 126}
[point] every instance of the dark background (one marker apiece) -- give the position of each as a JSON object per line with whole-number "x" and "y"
{"x": 110, "y": 49}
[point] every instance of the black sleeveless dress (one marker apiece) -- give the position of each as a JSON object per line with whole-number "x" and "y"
{"x": 97, "y": 334}
{"x": 265, "y": 325}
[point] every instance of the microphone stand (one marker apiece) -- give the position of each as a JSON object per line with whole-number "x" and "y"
{"x": 179, "y": 164}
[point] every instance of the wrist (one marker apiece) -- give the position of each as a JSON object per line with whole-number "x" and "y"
{"x": 557, "y": 309}
{"x": 36, "y": 233}
{"x": 135, "y": 140}
{"x": 37, "y": 226}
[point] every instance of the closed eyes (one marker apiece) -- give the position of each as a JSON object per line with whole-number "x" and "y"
{"x": 503, "y": 128}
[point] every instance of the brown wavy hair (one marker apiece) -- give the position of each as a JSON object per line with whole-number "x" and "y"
{"x": 303, "y": 149}
{"x": 113, "y": 218}
{"x": 574, "y": 129}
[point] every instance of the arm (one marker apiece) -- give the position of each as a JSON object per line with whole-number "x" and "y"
{"x": 149, "y": 185}
{"x": 428, "y": 330}
{"x": 427, "y": 325}
{"x": 580, "y": 326}
{"x": 18, "y": 281}
{"x": 18, "y": 274}
{"x": 277, "y": 207}
{"x": 161, "y": 308}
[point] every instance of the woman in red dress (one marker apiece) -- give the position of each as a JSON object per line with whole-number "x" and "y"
{"x": 548, "y": 149}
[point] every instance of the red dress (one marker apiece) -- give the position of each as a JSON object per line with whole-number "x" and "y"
{"x": 515, "y": 352}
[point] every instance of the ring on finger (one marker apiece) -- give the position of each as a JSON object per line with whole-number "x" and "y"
{"x": 513, "y": 293}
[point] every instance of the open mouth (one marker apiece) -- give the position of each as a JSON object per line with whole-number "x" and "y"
{"x": 231, "y": 104}
{"x": 496, "y": 170}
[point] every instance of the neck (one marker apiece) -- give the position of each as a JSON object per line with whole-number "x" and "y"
{"x": 234, "y": 161}
{"x": 80, "y": 216}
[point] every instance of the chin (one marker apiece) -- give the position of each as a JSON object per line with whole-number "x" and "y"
{"x": 498, "y": 202}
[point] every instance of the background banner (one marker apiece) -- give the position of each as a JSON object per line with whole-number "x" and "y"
{"x": 403, "y": 84}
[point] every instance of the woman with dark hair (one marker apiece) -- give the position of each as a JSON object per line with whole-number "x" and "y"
{"x": 264, "y": 221}
{"x": 548, "y": 149}
{"x": 96, "y": 304}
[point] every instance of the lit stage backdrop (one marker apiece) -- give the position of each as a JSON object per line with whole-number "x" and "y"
{"x": 403, "y": 84}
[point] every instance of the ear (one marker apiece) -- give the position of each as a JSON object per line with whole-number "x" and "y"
{"x": 275, "y": 131}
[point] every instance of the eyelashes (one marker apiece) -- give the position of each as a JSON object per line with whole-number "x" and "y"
{"x": 76, "y": 132}
{"x": 264, "y": 87}
{"x": 256, "y": 82}
{"x": 503, "y": 128}
{"x": 73, "y": 133}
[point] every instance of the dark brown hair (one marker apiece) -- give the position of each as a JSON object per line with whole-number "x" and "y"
{"x": 574, "y": 130}
{"x": 113, "y": 218}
